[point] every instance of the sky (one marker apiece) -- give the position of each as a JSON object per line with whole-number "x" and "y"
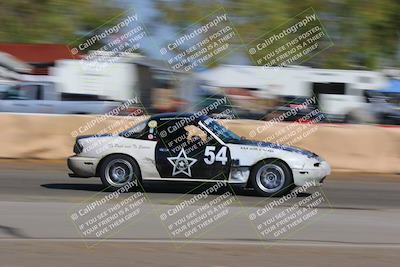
{"x": 149, "y": 15}
{"x": 161, "y": 32}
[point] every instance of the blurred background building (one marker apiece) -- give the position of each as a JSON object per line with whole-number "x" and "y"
{"x": 355, "y": 80}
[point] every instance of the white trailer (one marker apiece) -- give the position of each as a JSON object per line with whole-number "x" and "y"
{"x": 116, "y": 81}
{"x": 339, "y": 92}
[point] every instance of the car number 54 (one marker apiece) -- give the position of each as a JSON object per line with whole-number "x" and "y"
{"x": 210, "y": 157}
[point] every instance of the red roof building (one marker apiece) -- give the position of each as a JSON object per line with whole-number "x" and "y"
{"x": 40, "y": 56}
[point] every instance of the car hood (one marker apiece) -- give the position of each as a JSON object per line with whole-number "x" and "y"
{"x": 293, "y": 149}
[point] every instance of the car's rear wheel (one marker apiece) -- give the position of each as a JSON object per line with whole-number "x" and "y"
{"x": 271, "y": 178}
{"x": 117, "y": 171}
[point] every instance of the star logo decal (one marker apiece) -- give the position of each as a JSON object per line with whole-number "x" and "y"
{"x": 182, "y": 163}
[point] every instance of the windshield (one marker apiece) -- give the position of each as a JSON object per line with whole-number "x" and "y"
{"x": 223, "y": 133}
{"x": 138, "y": 128}
{"x": 3, "y": 90}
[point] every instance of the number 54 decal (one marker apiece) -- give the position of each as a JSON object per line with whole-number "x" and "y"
{"x": 210, "y": 157}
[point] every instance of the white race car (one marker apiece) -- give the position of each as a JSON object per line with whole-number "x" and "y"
{"x": 191, "y": 147}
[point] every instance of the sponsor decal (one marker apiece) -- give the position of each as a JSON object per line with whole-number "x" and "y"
{"x": 152, "y": 124}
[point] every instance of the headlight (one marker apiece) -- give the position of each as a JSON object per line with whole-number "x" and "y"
{"x": 78, "y": 148}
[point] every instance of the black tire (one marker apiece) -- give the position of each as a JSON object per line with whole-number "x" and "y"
{"x": 116, "y": 171}
{"x": 271, "y": 178}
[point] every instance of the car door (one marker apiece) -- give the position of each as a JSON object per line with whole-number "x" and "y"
{"x": 46, "y": 101}
{"x": 188, "y": 152}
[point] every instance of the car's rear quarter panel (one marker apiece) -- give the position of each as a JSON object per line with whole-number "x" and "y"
{"x": 143, "y": 151}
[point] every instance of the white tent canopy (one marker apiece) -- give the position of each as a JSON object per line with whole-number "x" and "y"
{"x": 14, "y": 64}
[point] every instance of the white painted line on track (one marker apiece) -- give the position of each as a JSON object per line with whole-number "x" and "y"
{"x": 299, "y": 243}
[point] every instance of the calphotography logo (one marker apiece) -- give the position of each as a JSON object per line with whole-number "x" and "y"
{"x": 182, "y": 163}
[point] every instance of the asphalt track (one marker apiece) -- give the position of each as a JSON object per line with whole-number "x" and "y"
{"x": 357, "y": 224}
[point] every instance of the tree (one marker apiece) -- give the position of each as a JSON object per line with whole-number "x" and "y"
{"x": 51, "y": 21}
{"x": 365, "y": 33}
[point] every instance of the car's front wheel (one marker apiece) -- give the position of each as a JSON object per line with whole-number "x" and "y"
{"x": 116, "y": 171}
{"x": 271, "y": 178}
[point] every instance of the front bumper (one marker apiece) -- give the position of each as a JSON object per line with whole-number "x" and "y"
{"x": 82, "y": 166}
{"x": 311, "y": 175}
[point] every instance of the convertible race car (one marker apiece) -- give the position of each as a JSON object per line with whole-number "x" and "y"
{"x": 191, "y": 147}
